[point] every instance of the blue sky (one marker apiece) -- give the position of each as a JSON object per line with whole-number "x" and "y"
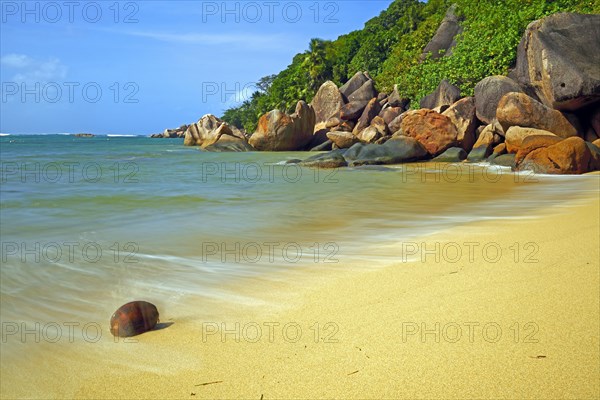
{"x": 138, "y": 67}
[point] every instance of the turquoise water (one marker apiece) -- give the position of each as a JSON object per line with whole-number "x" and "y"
{"x": 88, "y": 224}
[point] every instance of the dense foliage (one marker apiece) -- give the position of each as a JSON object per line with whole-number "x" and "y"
{"x": 390, "y": 45}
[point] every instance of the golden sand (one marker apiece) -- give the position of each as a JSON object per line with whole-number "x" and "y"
{"x": 524, "y": 325}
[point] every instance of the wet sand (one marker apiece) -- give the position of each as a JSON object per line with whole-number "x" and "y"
{"x": 522, "y": 325}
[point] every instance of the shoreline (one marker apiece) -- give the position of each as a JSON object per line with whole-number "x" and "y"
{"x": 364, "y": 319}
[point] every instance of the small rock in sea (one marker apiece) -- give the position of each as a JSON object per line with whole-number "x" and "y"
{"x": 133, "y": 319}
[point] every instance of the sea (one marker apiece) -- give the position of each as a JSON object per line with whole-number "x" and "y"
{"x": 90, "y": 223}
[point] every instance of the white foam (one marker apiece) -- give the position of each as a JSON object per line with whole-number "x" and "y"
{"x": 122, "y": 135}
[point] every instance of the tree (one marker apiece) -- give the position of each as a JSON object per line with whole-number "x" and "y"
{"x": 315, "y": 63}
{"x": 264, "y": 83}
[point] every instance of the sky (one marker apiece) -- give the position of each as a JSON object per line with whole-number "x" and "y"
{"x": 138, "y": 67}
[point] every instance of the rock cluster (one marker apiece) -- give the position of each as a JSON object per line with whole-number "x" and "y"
{"x": 172, "y": 133}
{"x": 355, "y": 113}
{"x": 213, "y": 133}
{"x": 545, "y": 117}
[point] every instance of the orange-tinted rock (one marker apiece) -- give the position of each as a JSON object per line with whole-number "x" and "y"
{"x": 516, "y": 135}
{"x": 486, "y": 137}
{"x": 518, "y": 109}
{"x": 500, "y": 149}
{"x": 569, "y": 156}
{"x": 434, "y": 131}
{"x": 133, "y": 319}
{"x": 535, "y": 142}
{"x": 278, "y": 131}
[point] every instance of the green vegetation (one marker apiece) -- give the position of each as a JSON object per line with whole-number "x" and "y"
{"x": 389, "y": 47}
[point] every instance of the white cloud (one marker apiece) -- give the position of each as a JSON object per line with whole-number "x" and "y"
{"x": 15, "y": 60}
{"x": 216, "y": 39}
{"x": 32, "y": 70}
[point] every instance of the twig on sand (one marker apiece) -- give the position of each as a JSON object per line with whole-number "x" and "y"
{"x": 537, "y": 356}
{"x": 208, "y": 383}
{"x": 352, "y": 373}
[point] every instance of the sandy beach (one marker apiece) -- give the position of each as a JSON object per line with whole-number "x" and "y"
{"x": 520, "y": 324}
{"x": 393, "y": 199}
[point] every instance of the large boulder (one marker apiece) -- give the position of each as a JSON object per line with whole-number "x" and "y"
{"x": 210, "y": 130}
{"x": 445, "y": 37}
{"x": 445, "y": 94}
{"x": 327, "y": 102}
{"x": 364, "y": 94}
{"x": 325, "y": 146}
{"x": 381, "y": 126}
{"x": 503, "y": 160}
{"x": 394, "y": 151}
{"x": 353, "y": 110}
{"x": 353, "y": 84}
{"x": 434, "y": 131}
{"x": 484, "y": 145}
{"x": 516, "y": 135}
{"x": 170, "y": 133}
{"x": 230, "y": 146}
{"x": 462, "y": 115}
{"x": 480, "y": 153}
{"x": 518, "y": 109}
{"x": 559, "y": 58}
{"x": 332, "y": 159}
{"x": 487, "y": 137}
{"x": 452, "y": 155}
{"x": 569, "y": 156}
{"x": 396, "y": 123}
{"x": 369, "y": 135}
{"x": 488, "y": 93}
{"x": 390, "y": 113}
{"x": 371, "y": 111}
{"x": 319, "y": 137}
{"x": 534, "y": 142}
{"x": 500, "y": 149}
{"x": 395, "y": 100}
{"x": 278, "y": 131}
{"x": 342, "y": 139}
{"x": 376, "y": 131}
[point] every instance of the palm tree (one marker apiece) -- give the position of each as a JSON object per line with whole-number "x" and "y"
{"x": 315, "y": 63}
